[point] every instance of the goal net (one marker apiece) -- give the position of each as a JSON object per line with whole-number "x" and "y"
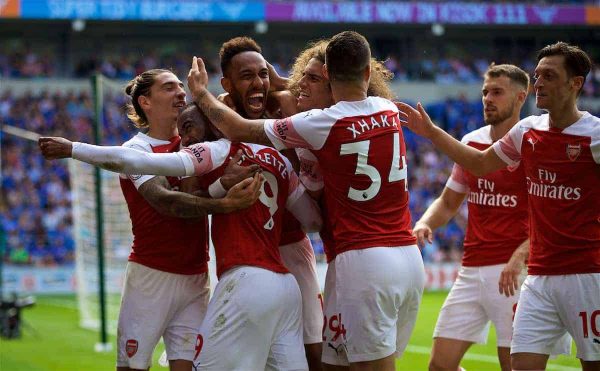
{"x": 116, "y": 224}
{"x": 117, "y": 243}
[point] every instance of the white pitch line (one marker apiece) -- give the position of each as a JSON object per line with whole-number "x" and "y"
{"x": 485, "y": 358}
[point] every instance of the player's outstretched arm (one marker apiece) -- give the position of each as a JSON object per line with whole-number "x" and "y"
{"x": 476, "y": 162}
{"x": 509, "y": 283}
{"x": 54, "y": 148}
{"x": 116, "y": 158}
{"x": 232, "y": 125}
{"x": 437, "y": 215}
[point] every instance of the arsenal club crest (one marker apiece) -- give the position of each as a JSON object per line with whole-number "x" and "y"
{"x": 131, "y": 347}
{"x": 573, "y": 151}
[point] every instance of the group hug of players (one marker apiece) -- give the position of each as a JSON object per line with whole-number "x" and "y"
{"x": 323, "y": 150}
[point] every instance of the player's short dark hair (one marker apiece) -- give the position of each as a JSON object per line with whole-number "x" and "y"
{"x": 140, "y": 86}
{"x": 235, "y": 46}
{"x": 577, "y": 62}
{"x": 193, "y": 106}
{"x": 514, "y": 73}
{"x": 347, "y": 55}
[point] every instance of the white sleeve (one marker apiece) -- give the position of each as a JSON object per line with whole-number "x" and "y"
{"x": 303, "y": 130}
{"x": 458, "y": 181}
{"x": 131, "y": 161}
{"x": 138, "y": 179}
{"x": 508, "y": 148}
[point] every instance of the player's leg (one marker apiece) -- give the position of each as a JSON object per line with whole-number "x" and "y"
{"x": 524, "y": 361}
{"x": 578, "y": 304}
{"x": 538, "y": 330}
{"x": 182, "y": 337}
{"x": 327, "y": 367}
{"x": 590, "y": 365}
{"x": 504, "y": 358}
{"x": 287, "y": 349}
{"x": 144, "y": 314}
{"x": 462, "y": 321}
{"x": 446, "y": 354}
{"x": 333, "y": 334}
{"x": 313, "y": 356}
{"x": 377, "y": 313}
{"x": 500, "y": 310}
{"x": 299, "y": 258}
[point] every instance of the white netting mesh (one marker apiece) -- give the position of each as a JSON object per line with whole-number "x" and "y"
{"x": 117, "y": 230}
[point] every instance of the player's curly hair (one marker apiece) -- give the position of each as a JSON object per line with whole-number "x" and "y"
{"x": 140, "y": 86}
{"x": 315, "y": 50}
{"x": 235, "y": 46}
{"x": 380, "y": 75}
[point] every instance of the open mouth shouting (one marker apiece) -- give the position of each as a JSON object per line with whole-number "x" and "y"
{"x": 255, "y": 103}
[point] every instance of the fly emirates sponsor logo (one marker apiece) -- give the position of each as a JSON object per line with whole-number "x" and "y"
{"x": 546, "y": 187}
{"x": 485, "y": 195}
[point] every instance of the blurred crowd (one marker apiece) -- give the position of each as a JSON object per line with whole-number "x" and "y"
{"x": 448, "y": 65}
{"x": 35, "y": 203}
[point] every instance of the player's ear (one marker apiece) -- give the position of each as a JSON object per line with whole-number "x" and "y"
{"x": 522, "y": 96}
{"x": 325, "y": 72}
{"x": 577, "y": 82}
{"x": 226, "y": 84}
{"x": 144, "y": 102}
{"x": 367, "y": 73}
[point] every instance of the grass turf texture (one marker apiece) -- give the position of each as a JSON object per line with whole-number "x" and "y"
{"x": 52, "y": 340}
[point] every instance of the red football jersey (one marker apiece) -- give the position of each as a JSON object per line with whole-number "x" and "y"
{"x": 363, "y": 160}
{"x": 498, "y": 212}
{"x": 161, "y": 242}
{"x": 250, "y": 236}
{"x": 562, "y": 170}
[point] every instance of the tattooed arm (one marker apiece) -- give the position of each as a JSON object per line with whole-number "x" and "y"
{"x": 163, "y": 199}
{"x": 232, "y": 125}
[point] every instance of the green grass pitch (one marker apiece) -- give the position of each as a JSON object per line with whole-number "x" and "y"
{"x": 52, "y": 340}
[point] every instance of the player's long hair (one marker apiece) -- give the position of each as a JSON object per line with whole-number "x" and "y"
{"x": 140, "y": 86}
{"x": 380, "y": 75}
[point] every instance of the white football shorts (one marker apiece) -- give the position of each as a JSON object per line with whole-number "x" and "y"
{"x": 473, "y": 302}
{"x": 372, "y": 297}
{"x": 154, "y": 304}
{"x": 253, "y": 322}
{"x": 552, "y": 307}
